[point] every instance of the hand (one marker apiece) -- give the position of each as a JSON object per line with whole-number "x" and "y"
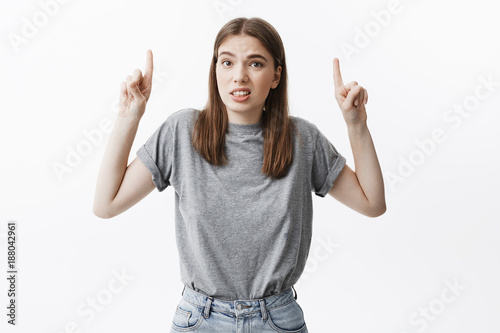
{"x": 134, "y": 93}
{"x": 351, "y": 97}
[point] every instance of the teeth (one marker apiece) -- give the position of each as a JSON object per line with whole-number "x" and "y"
{"x": 241, "y": 93}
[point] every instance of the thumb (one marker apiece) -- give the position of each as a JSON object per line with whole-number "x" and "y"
{"x": 352, "y": 95}
{"x": 123, "y": 91}
{"x": 134, "y": 89}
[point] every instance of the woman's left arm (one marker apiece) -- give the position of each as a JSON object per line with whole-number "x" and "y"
{"x": 362, "y": 190}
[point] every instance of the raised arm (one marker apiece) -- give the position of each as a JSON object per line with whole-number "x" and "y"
{"x": 119, "y": 186}
{"x": 362, "y": 190}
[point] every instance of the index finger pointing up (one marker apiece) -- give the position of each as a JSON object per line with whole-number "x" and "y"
{"x": 337, "y": 78}
{"x": 148, "y": 74}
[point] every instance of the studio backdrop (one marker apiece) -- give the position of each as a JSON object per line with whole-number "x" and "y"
{"x": 429, "y": 264}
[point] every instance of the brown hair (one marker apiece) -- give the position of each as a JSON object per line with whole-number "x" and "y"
{"x": 211, "y": 126}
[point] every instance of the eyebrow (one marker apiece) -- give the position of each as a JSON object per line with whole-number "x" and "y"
{"x": 251, "y": 56}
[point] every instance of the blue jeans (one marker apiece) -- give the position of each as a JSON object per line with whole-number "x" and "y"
{"x": 199, "y": 313}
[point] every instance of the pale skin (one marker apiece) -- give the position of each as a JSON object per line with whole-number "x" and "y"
{"x": 242, "y": 61}
{"x": 119, "y": 186}
{"x": 363, "y": 190}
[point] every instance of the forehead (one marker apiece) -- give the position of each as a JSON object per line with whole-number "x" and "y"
{"x": 242, "y": 44}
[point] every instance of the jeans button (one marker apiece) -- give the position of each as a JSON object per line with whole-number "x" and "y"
{"x": 239, "y": 307}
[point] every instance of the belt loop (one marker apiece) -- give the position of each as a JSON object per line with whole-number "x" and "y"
{"x": 183, "y": 290}
{"x": 295, "y": 292}
{"x": 206, "y": 313}
{"x": 263, "y": 309}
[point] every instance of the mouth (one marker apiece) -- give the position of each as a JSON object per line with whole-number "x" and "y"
{"x": 240, "y": 92}
{"x": 240, "y": 98}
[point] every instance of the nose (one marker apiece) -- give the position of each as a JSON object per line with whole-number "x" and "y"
{"x": 240, "y": 73}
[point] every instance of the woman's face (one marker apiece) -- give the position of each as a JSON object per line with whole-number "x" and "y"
{"x": 243, "y": 63}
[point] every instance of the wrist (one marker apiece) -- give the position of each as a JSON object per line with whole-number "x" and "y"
{"x": 357, "y": 127}
{"x": 126, "y": 125}
{"x": 127, "y": 121}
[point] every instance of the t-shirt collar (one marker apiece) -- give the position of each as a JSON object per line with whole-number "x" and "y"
{"x": 245, "y": 128}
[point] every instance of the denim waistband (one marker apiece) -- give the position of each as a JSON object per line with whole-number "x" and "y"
{"x": 238, "y": 308}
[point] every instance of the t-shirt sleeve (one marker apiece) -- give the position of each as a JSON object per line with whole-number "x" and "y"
{"x": 156, "y": 154}
{"x": 327, "y": 165}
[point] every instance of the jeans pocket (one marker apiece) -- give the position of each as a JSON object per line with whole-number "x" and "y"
{"x": 187, "y": 317}
{"x": 287, "y": 318}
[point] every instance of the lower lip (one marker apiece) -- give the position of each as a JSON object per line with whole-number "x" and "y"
{"x": 240, "y": 98}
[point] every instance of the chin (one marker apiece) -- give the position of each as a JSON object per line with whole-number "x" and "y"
{"x": 239, "y": 108}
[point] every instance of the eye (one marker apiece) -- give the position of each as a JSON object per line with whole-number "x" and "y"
{"x": 258, "y": 64}
{"x": 224, "y": 61}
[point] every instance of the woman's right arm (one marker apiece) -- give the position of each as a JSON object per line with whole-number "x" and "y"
{"x": 119, "y": 186}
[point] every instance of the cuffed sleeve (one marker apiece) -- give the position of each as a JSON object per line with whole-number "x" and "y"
{"x": 327, "y": 165}
{"x": 156, "y": 154}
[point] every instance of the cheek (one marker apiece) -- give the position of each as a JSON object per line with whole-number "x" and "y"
{"x": 221, "y": 87}
{"x": 264, "y": 83}
{"x": 221, "y": 80}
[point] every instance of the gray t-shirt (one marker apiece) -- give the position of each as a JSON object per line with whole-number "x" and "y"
{"x": 240, "y": 235}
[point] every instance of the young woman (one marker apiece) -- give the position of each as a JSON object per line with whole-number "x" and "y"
{"x": 243, "y": 171}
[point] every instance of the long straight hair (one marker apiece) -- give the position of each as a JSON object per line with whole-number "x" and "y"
{"x": 210, "y": 129}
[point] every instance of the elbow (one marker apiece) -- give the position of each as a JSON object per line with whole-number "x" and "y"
{"x": 377, "y": 211}
{"x": 102, "y": 212}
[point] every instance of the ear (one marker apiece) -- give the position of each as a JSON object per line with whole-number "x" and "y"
{"x": 277, "y": 77}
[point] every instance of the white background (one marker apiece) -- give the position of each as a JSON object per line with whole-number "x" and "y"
{"x": 377, "y": 275}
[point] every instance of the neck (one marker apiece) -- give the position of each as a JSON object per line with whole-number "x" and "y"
{"x": 244, "y": 118}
